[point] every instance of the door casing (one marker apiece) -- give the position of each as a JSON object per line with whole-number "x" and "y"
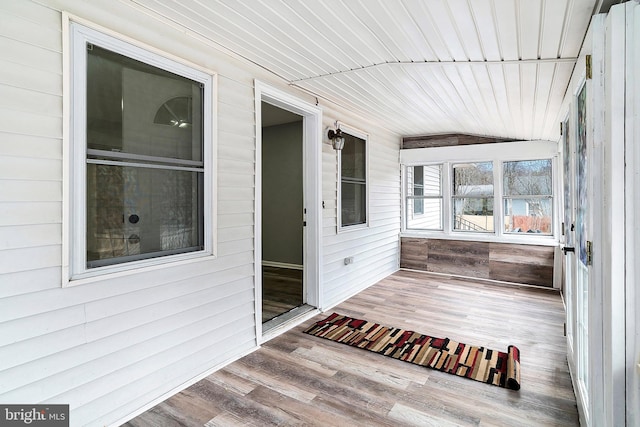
{"x": 312, "y": 189}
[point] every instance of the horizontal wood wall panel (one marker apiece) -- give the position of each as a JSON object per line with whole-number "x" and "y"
{"x": 525, "y": 264}
{"x": 414, "y": 253}
{"x": 459, "y": 257}
{"x": 522, "y": 263}
{"x": 447, "y": 140}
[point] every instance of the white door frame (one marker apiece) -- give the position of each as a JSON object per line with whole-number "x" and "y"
{"x": 312, "y": 193}
{"x": 632, "y": 231}
{"x": 610, "y": 242}
{"x": 609, "y": 228}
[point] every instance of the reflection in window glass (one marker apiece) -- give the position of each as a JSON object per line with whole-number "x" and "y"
{"x": 528, "y": 196}
{"x": 144, "y": 187}
{"x": 473, "y": 197}
{"x": 353, "y": 186}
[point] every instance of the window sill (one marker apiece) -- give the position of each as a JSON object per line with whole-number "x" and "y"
{"x": 477, "y": 237}
{"x": 137, "y": 267}
{"x": 355, "y": 227}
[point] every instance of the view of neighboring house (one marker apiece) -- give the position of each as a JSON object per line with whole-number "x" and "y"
{"x": 165, "y": 165}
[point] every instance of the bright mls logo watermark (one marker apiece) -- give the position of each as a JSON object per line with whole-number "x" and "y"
{"x": 34, "y": 415}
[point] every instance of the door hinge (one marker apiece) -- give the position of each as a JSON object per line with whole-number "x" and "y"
{"x": 565, "y": 329}
{"x": 588, "y": 68}
{"x": 589, "y": 252}
{"x": 561, "y": 129}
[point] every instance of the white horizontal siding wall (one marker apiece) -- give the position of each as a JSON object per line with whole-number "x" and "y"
{"x": 110, "y": 347}
{"x": 375, "y": 249}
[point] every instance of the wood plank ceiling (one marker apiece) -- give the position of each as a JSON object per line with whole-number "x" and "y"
{"x": 486, "y": 67}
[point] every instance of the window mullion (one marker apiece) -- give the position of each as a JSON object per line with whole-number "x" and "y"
{"x": 446, "y": 197}
{"x": 498, "y": 202}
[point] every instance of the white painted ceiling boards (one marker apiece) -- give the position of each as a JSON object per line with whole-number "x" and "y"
{"x": 485, "y": 67}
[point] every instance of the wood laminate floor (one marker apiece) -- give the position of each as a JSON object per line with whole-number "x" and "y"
{"x": 297, "y": 379}
{"x": 281, "y": 291}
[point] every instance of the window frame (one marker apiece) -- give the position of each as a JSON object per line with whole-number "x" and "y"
{"x": 364, "y": 136}
{"x": 498, "y": 153}
{"x": 76, "y": 76}
{"x": 550, "y": 197}
{"x": 453, "y": 196}
{"x": 407, "y": 197}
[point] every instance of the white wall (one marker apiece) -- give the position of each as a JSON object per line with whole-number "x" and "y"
{"x": 375, "y": 249}
{"x": 110, "y": 347}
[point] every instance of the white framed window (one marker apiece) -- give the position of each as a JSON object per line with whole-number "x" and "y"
{"x": 500, "y": 192}
{"x": 472, "y": 197}
{"x": 424, "y": 207}
{"x": 528, "y": 196}
{"x": 353, "y": 189}
{"x": 141, "y": 167}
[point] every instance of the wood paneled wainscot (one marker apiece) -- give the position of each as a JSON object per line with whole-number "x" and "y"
{"x": 523, "y": 264}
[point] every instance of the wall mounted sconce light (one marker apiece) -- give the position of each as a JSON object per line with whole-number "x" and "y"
{"x": 336, "y": 138}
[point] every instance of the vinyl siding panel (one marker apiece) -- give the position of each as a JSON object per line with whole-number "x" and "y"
{"x": 15, "y": 145}
{"x": 374, "y": 248}
{"x": 113, "y": 344}
{"x": 24, "y": 282}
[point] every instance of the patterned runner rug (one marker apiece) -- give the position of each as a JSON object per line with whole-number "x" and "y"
{"x": 478, "y": 363}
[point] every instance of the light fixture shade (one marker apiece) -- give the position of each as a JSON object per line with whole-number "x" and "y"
{"x": 336, "y": 138}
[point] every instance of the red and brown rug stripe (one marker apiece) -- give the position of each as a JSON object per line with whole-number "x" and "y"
{"x": 478, "y": 363}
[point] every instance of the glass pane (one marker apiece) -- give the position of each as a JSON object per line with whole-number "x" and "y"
{"x": 424, "y": 180}
{"x": 136, "y": 108}
{"x": 527, "y": 178}
{"x": 354, "y": 201}
{"x": 353, "y": 159}
{"x": 528, "y": 215}
{"x": 473, "y": 179}
{"x": 142, "y": 213}
{"x": 428, "y": 218}
{"x": 473, "y": 214}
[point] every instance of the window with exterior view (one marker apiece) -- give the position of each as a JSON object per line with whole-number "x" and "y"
{"x": 424, "y": 197}
{"x": 472, "y": 198}
{"x": 528, "y": 196}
